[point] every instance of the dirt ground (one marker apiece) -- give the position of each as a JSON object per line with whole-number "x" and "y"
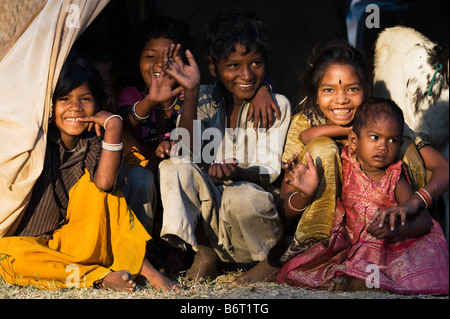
{"x": 221, "y": 299}
{"x": 220, "y": 288}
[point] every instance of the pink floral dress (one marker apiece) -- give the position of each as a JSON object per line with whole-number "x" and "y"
{"x": 411, "y": 266}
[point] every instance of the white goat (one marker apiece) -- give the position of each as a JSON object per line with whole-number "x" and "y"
{"x": 413, "y": 71}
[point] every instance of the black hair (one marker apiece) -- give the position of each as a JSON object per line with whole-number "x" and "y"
{"x": 158, "y": 26}
{"x": 76, "y": 71}
{"x": 372, "y": 110}
{"x": 233, "y": 27}
{"x": 335, "y": 52}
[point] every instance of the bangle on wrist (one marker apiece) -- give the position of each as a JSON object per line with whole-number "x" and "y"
{"x": 112, "y": 147}
{"x": 292, "y": 207}
{"x": 425, "y": 196}
{"x": 268, "y": 84}
{"x": 106, "y": 121}
{"x": 137, "y": 117}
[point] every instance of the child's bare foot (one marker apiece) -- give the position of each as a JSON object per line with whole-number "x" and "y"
{"x": 204, "y": 264}
{"x": 263, "y": 271}
{"x": 346, "y": 283}
{"x": 119, "y": 281}
{"x": 156, "y": 279}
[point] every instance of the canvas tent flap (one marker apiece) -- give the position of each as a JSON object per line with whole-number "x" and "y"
{"x": 15, "y": 17}
{"x": 32, "y": 54}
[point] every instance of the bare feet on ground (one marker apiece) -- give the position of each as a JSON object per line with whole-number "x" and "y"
{"x": 156, "y": 279}
{"x": 119, "y": 281}
{"x": 263, "y": 271}
{"x": 346, "y": 283}
{"x": 204, "y": 265}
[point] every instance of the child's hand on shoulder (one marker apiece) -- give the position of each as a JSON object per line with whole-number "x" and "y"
{"x": 262, "y": 107}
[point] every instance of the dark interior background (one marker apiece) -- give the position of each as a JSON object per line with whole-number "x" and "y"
{"x": 294, "y": 26}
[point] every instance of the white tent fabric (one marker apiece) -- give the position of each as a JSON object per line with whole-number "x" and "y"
{"x": 32, "y": 52}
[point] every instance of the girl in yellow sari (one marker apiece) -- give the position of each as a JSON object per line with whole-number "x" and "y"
{"x": 77, "y": 230}
{"x": 335, "y": 84}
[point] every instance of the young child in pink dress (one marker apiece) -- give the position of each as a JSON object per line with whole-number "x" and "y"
{"x": 402, "y": 253}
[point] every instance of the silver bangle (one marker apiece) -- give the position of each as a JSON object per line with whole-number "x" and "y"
{"x": 423, "y": 198}
{"x": 114, "y": 115}
{"x": 137, "y": 117}
{"x": 268, "y": 84}
{"x": 292, "y": 207}
{"x": 112, "y": 147}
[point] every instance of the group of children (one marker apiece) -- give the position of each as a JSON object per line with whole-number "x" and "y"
{"x": 353, "y": 188}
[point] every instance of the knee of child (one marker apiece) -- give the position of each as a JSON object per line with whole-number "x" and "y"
{"x": 167, "y": 167}
{"x": 245, "y": 201}
{"x": 235, "y": 191}
{"x": 183, "y": 172}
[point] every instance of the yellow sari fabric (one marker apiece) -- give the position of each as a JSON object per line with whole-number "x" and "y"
{"x": 316, "y": 221}
{"x": 101, "y": 235}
